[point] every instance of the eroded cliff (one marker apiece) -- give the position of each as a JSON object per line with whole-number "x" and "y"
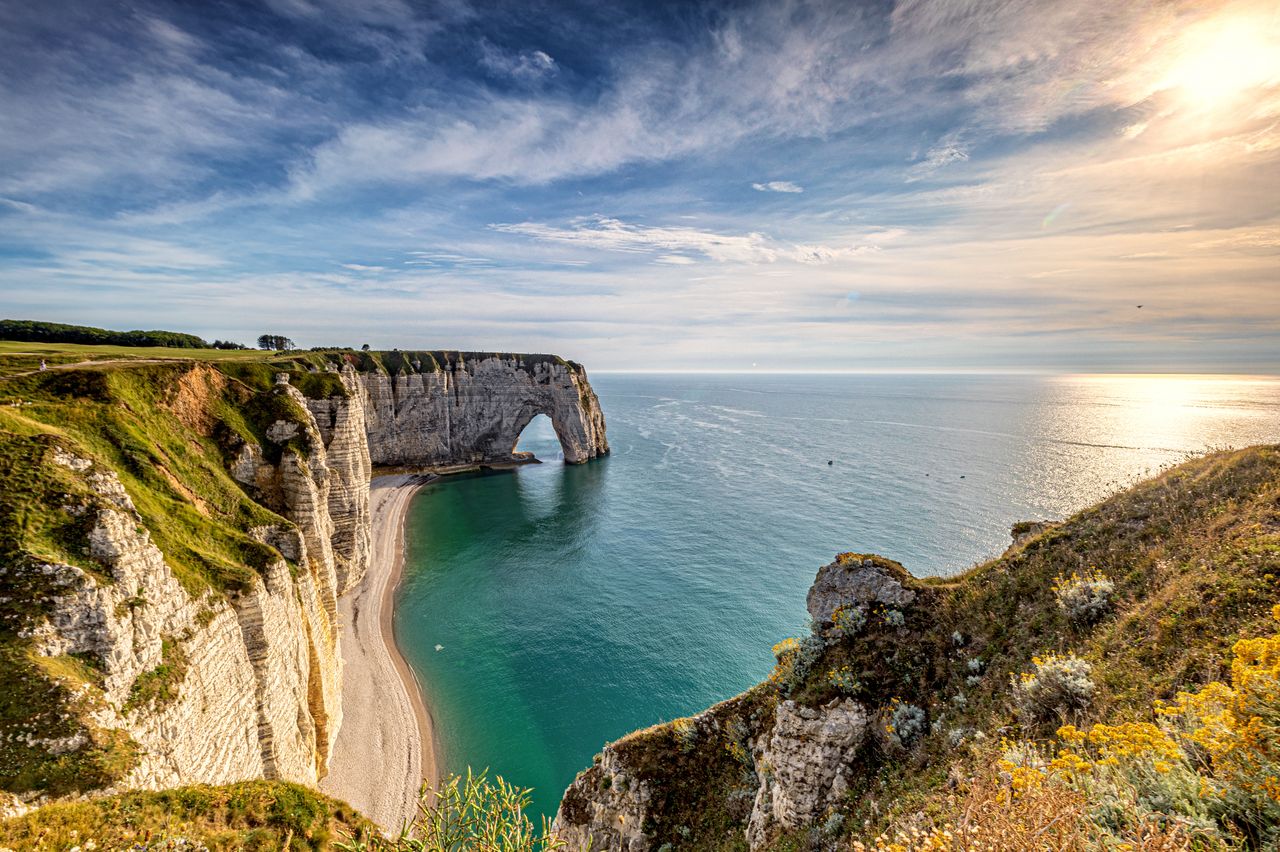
{"x": 889, "y": 715}
{"x": 175, "y": 537}
{"x": 435, "y": 408}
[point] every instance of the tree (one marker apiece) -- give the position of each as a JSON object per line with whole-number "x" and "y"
{"x": 274, "y": 341}
{"x": 365, "y": 348}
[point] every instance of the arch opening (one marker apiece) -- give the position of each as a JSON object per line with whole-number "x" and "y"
{"x": 539, "y": 439}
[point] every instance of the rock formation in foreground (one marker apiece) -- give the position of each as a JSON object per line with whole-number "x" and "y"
{"x": 891, "y": 715}
{"x": 174, "y": 538}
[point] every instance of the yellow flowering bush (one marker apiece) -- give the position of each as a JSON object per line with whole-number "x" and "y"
{"x": 1211, "y": 766}
{"x": 1059, "y": 684}
{"x": 1232, "y": 733}
{"x": 1085, "y": 599}
{"x": 844, "y": 680}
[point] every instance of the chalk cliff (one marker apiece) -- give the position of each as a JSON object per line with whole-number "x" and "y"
{"x": 169, "y": 616}
{"x": 471, "y": 407}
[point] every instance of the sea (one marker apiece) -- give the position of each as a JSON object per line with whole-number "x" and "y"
{"x": 552, "y": 608}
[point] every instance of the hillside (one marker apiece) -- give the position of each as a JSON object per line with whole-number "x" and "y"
{"x": 267, "y": 816}
{"x": 175, "y": 533}
{"x": 892, "y": 714}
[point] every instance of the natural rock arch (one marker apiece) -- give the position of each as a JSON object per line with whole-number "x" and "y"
{"x": 473, "y": 406}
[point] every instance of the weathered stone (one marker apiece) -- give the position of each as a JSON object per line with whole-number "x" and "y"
{"x": 604, "y": 810}
{"x": 854, "y": 579}
{"x": 474, "y": 408}
{"x": 804, "y": 765}
{"x": 261, "y": 695}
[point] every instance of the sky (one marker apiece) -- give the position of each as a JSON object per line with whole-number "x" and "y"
{"x": 1077, "y": 185}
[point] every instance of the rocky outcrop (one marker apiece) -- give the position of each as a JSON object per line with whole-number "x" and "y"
{"x": 472, "y": 407}
{"x": 212, "y": 681}
{"x": 790, "y": 763}
{"x": 340, "y": 421}
{"x": 208, "y": 688}
{"x": 857, "y": 580}
{"x": 610, "y": 816}
{"x": 807, "y": 763}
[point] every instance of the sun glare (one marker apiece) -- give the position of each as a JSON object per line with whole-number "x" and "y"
{"x": 1223, "y": 59}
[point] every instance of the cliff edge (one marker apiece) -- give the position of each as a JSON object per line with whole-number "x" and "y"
{"x": 174, "y": 537}
{"x": 929, "y": 714}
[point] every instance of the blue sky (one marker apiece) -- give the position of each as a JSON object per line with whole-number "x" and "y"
{"x": 924, "y": 184}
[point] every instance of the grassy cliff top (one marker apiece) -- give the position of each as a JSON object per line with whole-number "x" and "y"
{"x": 253, "y": 815}
{"x": 18, "y": 357}
{"x": 1182, "y": 567}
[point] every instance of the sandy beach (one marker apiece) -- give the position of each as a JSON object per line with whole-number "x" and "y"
{"x": 385, "y": 747}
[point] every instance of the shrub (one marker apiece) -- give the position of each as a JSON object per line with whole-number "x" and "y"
{"x": 907, "y": 723}
{"x": 1086, "y": 599}
{"x": 1058, "y": 685}
{"x": 894, "y": 618}
{"x": 796, "y": 658}
{"x": 849, "y": 620}
{"x": 686, "y": 731}
{"x": 468, "y": 814}
{"x": 843, "y": 680}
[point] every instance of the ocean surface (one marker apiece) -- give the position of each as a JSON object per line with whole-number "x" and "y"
{"x": 550, "y": 609}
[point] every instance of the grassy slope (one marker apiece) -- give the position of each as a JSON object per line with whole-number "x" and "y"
{"x": 167, "y": 422}
{"x": 1194, "y": 554}
{"x": 253, "y": 815}
{"x": 168, "y": 430}
{"x": 19, "y": 357}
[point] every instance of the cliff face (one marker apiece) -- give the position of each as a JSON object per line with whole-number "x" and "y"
{"x": 175, "y": 540}
{"x": 472, "y": 407}
{"x": 895, "y": 706}
{"x": 215, "y": 687}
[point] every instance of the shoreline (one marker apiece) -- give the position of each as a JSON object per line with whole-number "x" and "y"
{"x": 385, "y": 749}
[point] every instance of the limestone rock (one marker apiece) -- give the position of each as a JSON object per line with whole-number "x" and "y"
{"x": 809, "y": 755}
{"x": 604, "y": 809}
{"x": 474, "y": 408}
{"x": 855, "y": 579}
{"x": 260, "y": 691}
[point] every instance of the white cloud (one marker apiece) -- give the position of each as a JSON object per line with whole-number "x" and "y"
{"x": 528, "y": 65}
{"x": 603, "y": 233}
{"x": 947, "y": 151}
{"x": 777, "y": 186}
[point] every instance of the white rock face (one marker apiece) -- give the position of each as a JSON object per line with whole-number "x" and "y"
{"x": 613, "y": 811}
{"x": 473, "y": 411}
{"x": 341, "y": 424}
{"x": 213, "y": 731}
{"x": 806, "y": 764}
{"x": 260, "y": 696}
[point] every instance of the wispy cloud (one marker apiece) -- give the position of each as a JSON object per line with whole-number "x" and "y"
{"x": 777, "y": 186}
{"x": 528, "y": 65}
{"x": 674, "y": 244}
{"x": 978, "y": 173}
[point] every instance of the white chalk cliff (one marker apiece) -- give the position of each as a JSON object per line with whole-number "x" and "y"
{"x": 252, "y": 676}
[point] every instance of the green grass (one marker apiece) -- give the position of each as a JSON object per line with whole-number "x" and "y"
{"x": 159, "y": 686}
{"x": 168, "y": 431}
{"x": 253, "y": 815}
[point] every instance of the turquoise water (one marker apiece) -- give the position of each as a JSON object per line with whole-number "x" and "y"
{"x": 571, "y": 605}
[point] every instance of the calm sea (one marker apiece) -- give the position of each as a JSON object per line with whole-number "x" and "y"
{"x": 553, "y": 608}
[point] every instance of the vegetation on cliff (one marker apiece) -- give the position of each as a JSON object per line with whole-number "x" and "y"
{"x": 169, "y": 431}
{"x": 1162, "y": 593}
{"x": 253, "y": 815}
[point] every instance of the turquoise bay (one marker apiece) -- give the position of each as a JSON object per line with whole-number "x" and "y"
{"x": 552, "y": 608}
